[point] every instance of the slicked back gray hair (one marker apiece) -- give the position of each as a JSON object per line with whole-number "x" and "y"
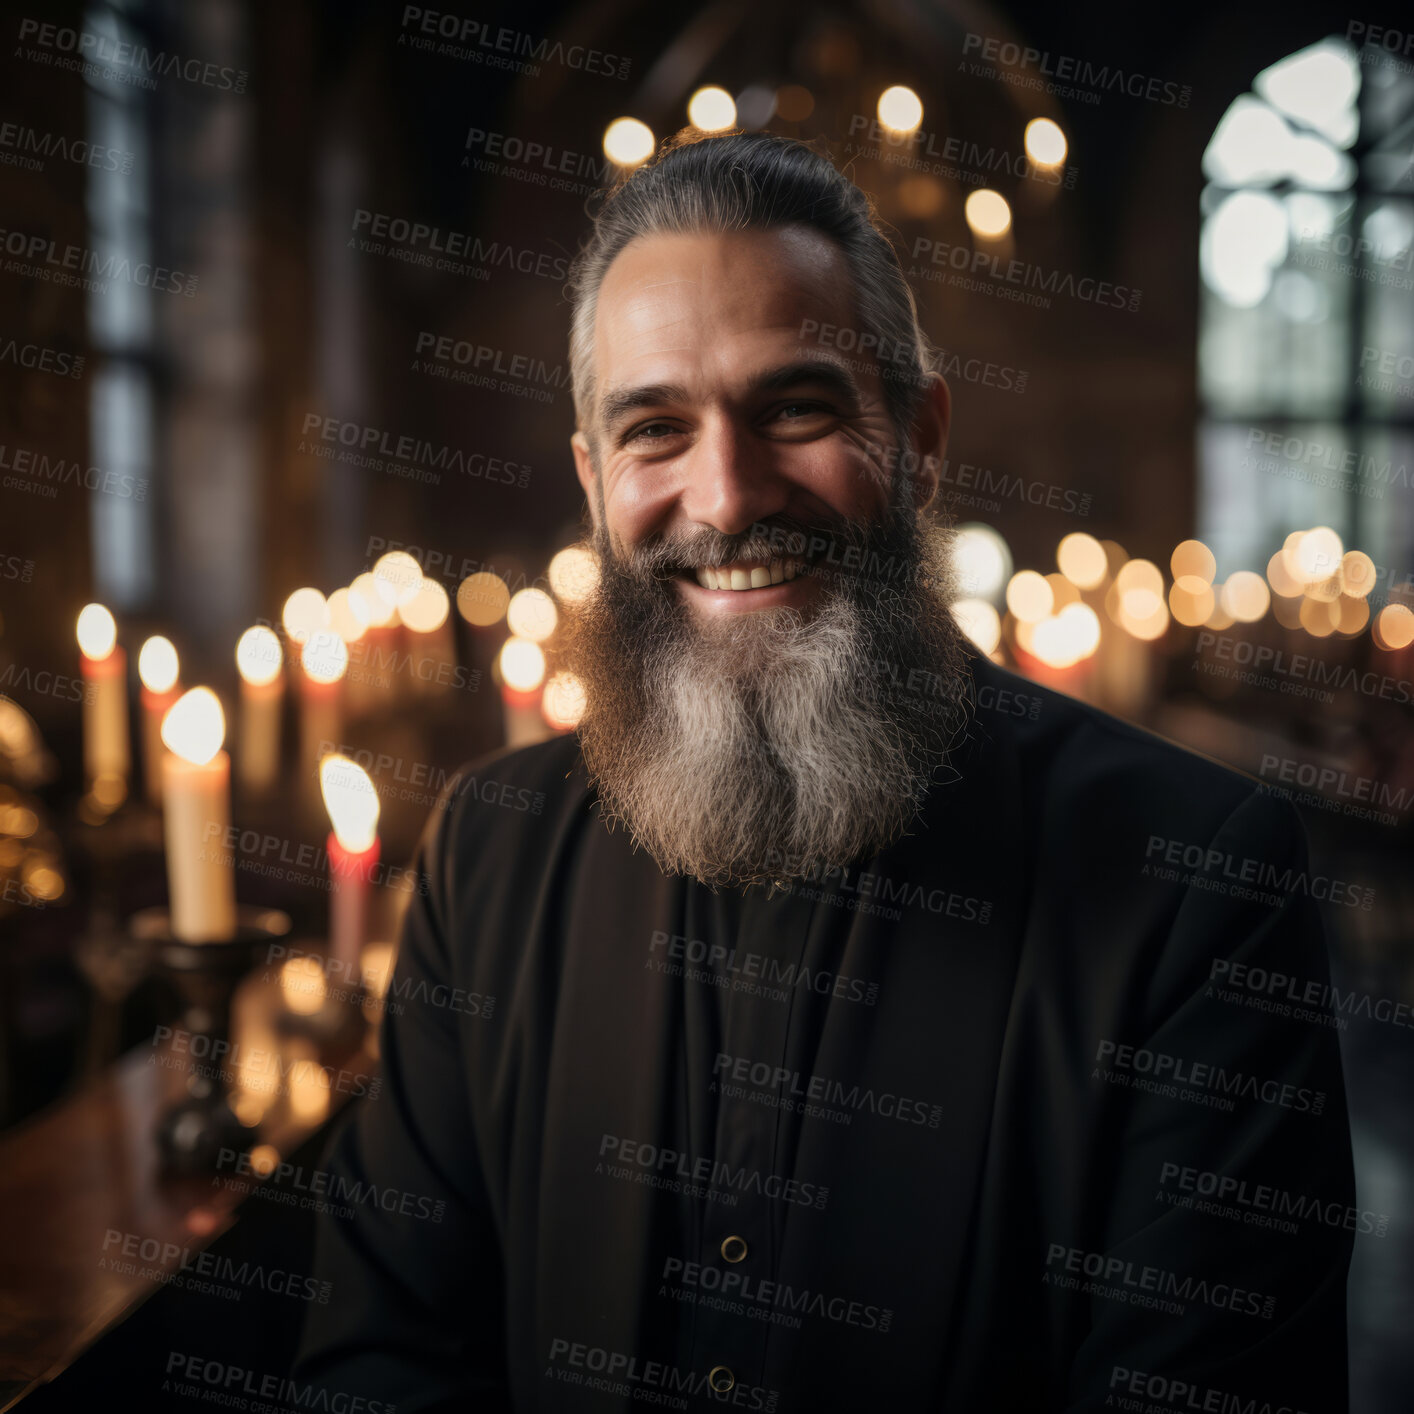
{"x": 756, "y": 181}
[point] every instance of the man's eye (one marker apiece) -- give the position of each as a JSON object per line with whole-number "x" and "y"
{"x": 651, "y": 432}
{"x": 796, "y": 412}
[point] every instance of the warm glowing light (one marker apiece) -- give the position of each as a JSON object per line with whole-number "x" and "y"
{"x": 368, "y": 602}
{"x": 1317, "y": 555}
{"x": 574, "y": 573}
{"x": 396, "y": 577}
{"x": 900, "y": 109}
{"x": 1082, "y": 560}
{"x": 308, "y": 1091}
{"x": 987, "y": 213}
{"x": 482, "y": 599}
{"x": 980, "y": 622}
{"x": 1045, "y": 142}
{"x": 532, "y": 614}
{"x": 325, "y": 658}
{"x": 1139, "y": 603}
{"x": 1029, "y": 597}
{"x": 1141, "y": 574}
{"x": 306, "y": 611}
{"x": 263, "y": 1159}
{"x": 1194, "y": 558}
{"x": 1354, "y": 615}
{"x": 711, "y": 109}
{"x": 522, "y": 664}
{"x": 375, "y": 964}
{"x": 1149, "y": 626}
{"x": 1357, "y": 574}
{"x": 1283, "y": 582}
{"x": 628, "y": 142}
{"x": 195, "y": 726}
{"x": 1219, "y": 619}
{"x": 351, "y": 800}
{"x": 564, "y": 701}
{"x": 259, "y": 656}
{"x": 302, "y": 985}
{"x": 1393, "y": 627}
{"x": 348, "y": 615}
{"x": 1319, "y": 617}
{"x": 981, "y": 560}
{"x": 1285, "y": 610}
{"x": 1191, "y": 600}
{"x": 1064, "y": 639}
{"x": 1246, "y": 597}
{"x": 427, "y": 610}
{"x": 157, "y": 665}
{"x": 96, "y": 632}
{"x": 1063, "y": 592}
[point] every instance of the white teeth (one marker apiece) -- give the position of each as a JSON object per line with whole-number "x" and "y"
{"x": 758, "y": 577}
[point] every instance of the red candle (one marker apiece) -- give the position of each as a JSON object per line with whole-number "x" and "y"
{"x": 353, "y": 846}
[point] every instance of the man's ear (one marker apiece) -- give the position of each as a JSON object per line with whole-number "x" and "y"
{"x": 584, "y": 469}
{"x": 930, "y": 438}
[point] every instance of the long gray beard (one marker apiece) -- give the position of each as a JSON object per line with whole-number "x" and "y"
{"x": 769, "y": 746}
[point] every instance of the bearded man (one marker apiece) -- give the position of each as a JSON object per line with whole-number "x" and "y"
{"x": 836, "y": 1021}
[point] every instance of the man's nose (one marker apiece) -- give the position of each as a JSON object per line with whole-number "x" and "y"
{"x": 732, "y": 479}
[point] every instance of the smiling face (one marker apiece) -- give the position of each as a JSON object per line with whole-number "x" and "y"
{"x": 717, "y": 407}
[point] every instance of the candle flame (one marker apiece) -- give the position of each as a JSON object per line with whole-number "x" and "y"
{"x": 522, "y": 664}
{"x": 366, "y": 600}
{"x": 258, "y": 656}
{"x": 532, "y": 614}
{"x": 195, "y": 726}
{"x": 396, "y": 577}
{"x": 96, "y": 631}
{"x": 351, "y": 800}
{"x": 157, "y": 665}
{"x": 427, "y": 610}
{"x": 325, "y": 658}
{"x": 306, "y": 611}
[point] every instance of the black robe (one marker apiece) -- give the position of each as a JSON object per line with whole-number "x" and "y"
{"x": 1002, "y": 1118}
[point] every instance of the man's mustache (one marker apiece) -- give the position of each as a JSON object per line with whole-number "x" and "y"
{"x": 778, "y": 536}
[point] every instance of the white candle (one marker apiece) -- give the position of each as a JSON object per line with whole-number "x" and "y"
{"x": 431, "y": 656}
{"x": 105, "y": 703}
{"x": 521, "y": 667}
{"x": 352, "y": 803}
{"x": 196, "y": 789}
{"x": 324, "y": 660}
{"x": 258, "y": 660}
{"x": 158, "y": 668}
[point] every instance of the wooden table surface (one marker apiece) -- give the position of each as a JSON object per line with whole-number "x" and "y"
{"x": 87, "y": 1168}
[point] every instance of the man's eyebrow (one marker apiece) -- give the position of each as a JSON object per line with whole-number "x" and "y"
{"x": 618, "y": 403}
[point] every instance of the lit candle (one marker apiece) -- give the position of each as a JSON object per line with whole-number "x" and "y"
{"x": 522, "y": 670}
{"x": 563, "y": 702}
{"x": 325, "y": 660}
{"x": 427, "y": 619}
{"x": 352, "y": 803}
{"x": 258, "y": 660}
{"x": 376, "y": 673}
{"x": 158, "y": 668}
{"x": 196, "y": 801}
{"x": 105, "y": 703}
